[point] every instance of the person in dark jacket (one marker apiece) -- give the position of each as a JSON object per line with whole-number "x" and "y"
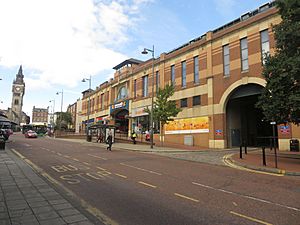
{"x": 109, "y": 141}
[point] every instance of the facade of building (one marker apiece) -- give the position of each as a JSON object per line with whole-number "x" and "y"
{"x": 40, "y": 116}
{"x": 15, "y": 114}
{"x": 72, "y": 109}
{"x": 217, "y": 79}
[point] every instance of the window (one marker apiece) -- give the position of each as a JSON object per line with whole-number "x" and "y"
{"x": 183, "y": 74}
{"x": 102, "y": 101}
{"x": 183, "y": 102}
{"x": 173, "y": 74}
{"x": 134, "y": 89}
{"x": 157, "y": 81}
{"x": 226, "y": 60}
{"x": 196, "y": 100}
{"x": 265, "y": 45}
{"x": 145, "y": 86}
{"x": 122, "y": 93}
{"x": 196, "y": 70}
{"x": 244, "y": 54}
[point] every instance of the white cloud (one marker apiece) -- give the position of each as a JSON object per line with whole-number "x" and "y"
{"x": 61, "y": 41}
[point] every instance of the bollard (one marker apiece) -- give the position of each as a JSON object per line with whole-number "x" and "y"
{"x": 264, "y": 156}
{"x": 241, "y": 152}
{"x": 245, "y": 149}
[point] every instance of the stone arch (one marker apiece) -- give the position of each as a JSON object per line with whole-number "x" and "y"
{"x": 232, "y": 87}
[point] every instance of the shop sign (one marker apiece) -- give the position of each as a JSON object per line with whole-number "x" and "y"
{"x": 284, "y": 129}
{"x": 218, "y": 132}
{"x": 119, "y": 105}
{"x": 138, "y": 112}
{"x": 188, "y": 126}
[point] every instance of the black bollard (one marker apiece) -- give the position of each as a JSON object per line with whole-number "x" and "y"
{"x": 241, "y": 152}
{"x": 264, "y": 156}
{"x": 246, "y": 149}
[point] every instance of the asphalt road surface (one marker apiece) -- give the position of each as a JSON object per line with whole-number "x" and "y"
{"x": 123, "y": 187}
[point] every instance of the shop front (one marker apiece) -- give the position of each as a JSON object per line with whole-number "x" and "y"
{"x": 140, "y": 120}
{"x": 119, "y": 113}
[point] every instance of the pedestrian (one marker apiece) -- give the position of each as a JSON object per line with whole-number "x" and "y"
{"x": 109, "y": 140}
{"x": 147, "y": 137}
{"x": 133, "y": 137}
{"x": 100, "y": 138}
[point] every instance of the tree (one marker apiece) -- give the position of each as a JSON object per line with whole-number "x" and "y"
{"x": 164, "y": 109}
{"x": 63, "y": 120}
{"x": 280, "y": 99}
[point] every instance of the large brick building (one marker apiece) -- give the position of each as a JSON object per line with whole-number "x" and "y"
{"x": 40, "y": 116}
{"x": 217, "y": 78}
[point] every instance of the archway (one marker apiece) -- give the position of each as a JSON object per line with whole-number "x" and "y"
{"x": 121, "y": 120}
{"x": 244, "y": 122}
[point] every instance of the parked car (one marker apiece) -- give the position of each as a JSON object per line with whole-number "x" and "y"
{"x": 31, "y": 134}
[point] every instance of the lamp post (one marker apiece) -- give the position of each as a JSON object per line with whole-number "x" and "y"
{"x": 53, "y": 110}
{"x": 146, "y": 51}
{"x": 61, "y": 105}
{"x": 89, "y": 98}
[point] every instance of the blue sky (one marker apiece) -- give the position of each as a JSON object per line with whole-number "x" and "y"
{"x": 60, "y": 42}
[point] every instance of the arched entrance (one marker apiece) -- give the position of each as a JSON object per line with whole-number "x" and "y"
{"x": 244, "y": 122}
{"x": 121, "y": 120}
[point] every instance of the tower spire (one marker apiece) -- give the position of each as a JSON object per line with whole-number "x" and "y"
{"x": 19, "y": 76}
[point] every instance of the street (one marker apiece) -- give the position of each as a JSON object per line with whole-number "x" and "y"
{"x": 123, "y": 187}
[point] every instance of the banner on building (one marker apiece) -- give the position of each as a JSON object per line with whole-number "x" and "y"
{"x": 188, "y": 126}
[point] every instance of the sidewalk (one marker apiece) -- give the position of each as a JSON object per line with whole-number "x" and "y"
{"x": 27, "y": 199}
{"x": 288, "y": 162}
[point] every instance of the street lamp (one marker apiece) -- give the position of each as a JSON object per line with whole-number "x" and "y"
{"x": 61, "y": 105}
{"x": 53, "y": 110}
{"x": 88, "y": 109}
{"x": 146, "y": 51}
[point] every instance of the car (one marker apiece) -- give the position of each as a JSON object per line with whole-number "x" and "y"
{"x": 31, "y": 134}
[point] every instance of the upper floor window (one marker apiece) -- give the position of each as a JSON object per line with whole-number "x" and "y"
{"x": 226, "y": 60}
{"x": 265, "y": 45}
{"x": 16, "y": 101}
{"x": 173, "y": 74}
{"x": 183, "y": 102}
{"x": 122, "y": 93}
{"x": 183, "y": 74}
{"x": 145, "y": 86}
{"x": 196, "y": 70}
{"x": 157, "y": 80}
{"x": 102, "y": 101}
{"x": 196, "y": 100}
{"x": 134, "y": 89}
{"x": 244, "y": 54}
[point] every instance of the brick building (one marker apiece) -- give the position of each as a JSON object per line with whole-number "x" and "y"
{"x": 217, "y": 78}
{"x": 40, "y": 116}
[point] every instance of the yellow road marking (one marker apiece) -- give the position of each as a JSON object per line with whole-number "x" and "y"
{"x": 95, "y": 156}
{"x": 149, "y": 171}
{"x": 186, "y": 197}
{"x": 228, "y": 163}
{"x": 250, "y": 218}
{"x": 120, "y": 175}
{"x": 146, "y": 184}
{"x": 100, "y": 168}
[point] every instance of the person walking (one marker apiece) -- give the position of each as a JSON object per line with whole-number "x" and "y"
{"x": 133, "y": 137}
{"x": 109, "y": 141}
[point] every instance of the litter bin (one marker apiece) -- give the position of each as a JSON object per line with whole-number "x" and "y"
{"x": 294, "y": 145}
{"x": 2, "y": 143}
{"x": 89, "y": 138}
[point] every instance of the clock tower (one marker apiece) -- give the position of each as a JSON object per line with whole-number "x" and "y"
{"x": 18, "y": 91}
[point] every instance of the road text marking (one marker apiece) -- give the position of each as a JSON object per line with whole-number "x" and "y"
{"x": 186, "y": 197}
{"x": 250, "y": 218}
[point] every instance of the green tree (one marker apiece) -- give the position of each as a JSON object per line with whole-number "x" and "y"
{"x": 63, "y": 120}
{"x": 280, "y": 99}
{"x": 164, "y": 109}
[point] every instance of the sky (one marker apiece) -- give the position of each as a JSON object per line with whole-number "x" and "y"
{"x": 60, "y": 42}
